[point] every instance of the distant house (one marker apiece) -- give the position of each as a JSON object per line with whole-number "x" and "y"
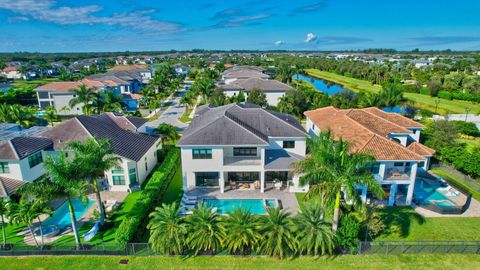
{"x": 5, "y": 87}
{"x": 422, "y": 63}
{"x": 392, "y": 139}
{"x": 11, "y": 72}
{"x": 58, "y": 95}
{"x": 243, "y": 72}
{"x": 21, "y": 158}
{"x": 181, "y": 69}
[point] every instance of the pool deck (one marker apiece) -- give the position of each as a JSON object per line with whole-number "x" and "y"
{"x": 472, "y": 211}
{"x": 287, "y": 199}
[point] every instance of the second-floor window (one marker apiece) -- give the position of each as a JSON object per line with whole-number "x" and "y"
{"x": 288, "y": 144}
{"x": 4, "y": 167}
{"x": 244, "y": 151}
{"x": 202, "y": 153}
{"x": 35, "y": 159}
{"x": 118, "y": 180}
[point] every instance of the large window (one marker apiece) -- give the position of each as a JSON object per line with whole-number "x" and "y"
{"x": 4, "y": 167}
{"x": 243, "y": 176}
{"x": 244, "y": 151}
{"x": 118, "y": 180}
{"x": 132, "y": 173}
{"x": 202, "y": 153}
{"x": 288, "y": 144}
{"x": 35, "y": 159}
{"x": 398, "y": 164}
{"x": 206, "y": 179}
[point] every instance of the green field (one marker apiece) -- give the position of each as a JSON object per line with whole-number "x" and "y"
{"x": 351, "y": 262}
{"x": 426, "y": 102}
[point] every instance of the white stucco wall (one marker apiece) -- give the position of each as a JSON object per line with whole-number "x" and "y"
{"x": 20, "y": 169}
{"x": 63, "y": 100}
{"x": 300, "y": 145}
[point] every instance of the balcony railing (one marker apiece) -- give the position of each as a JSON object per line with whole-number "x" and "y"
{"x": 394, "y": 175}
{"x": 241, "y": 161}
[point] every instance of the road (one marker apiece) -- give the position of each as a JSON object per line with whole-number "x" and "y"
{"x": 170, "y": 116}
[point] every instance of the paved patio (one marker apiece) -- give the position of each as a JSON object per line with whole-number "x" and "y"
{"x": 287, "y": 199}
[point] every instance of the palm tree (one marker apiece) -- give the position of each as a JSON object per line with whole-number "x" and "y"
{"x": 187, "y": 100}
{"x": 110, "y": 101}
{"x": 50, "y": 114}
{"x": 331, "y": 167}
{"x": 241, "y": 231}
{"x": 26, "y": 212}
{"x": 96, "y": 157}
{"x": 168, "y": 132}
{"x": 391, "y": 95}
{"x": 285, "y": 73}
{"x": 85, "y": 96}
{"x": 315, "y": 236}
{"x": 24, "y": 116}
{"x": 3, "y": 212}
{"x": 204, "y": 87}
{"x": 66, "y": 179}
{"x": 205, "y": 232}
{"x": 167, "y": 230}
{"x": 278, "y": 233}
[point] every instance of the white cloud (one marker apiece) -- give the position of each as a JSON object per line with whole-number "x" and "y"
{"x": 50, "y": 11}
{"x": 279, "y": 42}
{"x": 311, "y": 38}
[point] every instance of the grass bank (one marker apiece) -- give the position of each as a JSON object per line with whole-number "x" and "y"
{"x": 381, "y": 262}
{"x": 424, "y": 101}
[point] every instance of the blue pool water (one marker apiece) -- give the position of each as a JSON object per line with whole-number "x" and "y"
{"x": 427, "y": 193}
{"x": 225, "y": 206}
{"x": 61, "y": 216}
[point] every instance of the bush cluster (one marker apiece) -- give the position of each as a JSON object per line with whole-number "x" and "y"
{"x": 133, "y": 226}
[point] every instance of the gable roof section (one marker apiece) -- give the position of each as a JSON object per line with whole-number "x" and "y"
{"x": 9, "y": 186}
{"x": 239, "y": 124}
{"x": 384, "y": 149}
{"x": 421, "y": 149}
{"x": 26, "y": 146}
{"x": 7, "y": 152}
{"x": 70, "y": 130}
{"x": 376, "y": 124}
{"x": 394, "y": 118}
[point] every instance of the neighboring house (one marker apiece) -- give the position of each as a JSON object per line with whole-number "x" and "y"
{"x": 21, "y": 158}
{"x": 11, "y": 130}
{"x": 11, "y": 72}
{"x": 5, "y": 87}
{"x": 241, "y": 146}
{"x": 243, "y": 72}
{"x": 422, "y": 63}
{"x": 273, "y": 89}
{"x": 181, "y": 69}
{"x": 391, "y": 138}
{"x": 145, "y": 72}
{"x": 131, "y": 101}
{"x": 58, "y": 95}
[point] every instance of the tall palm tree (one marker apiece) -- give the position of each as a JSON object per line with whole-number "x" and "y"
{"x": 285, "y": 73}
{"x": 66, "y": 179}
{"x": 168, "y": 132}
{"x": 24, "y": 116}
{"x": 96, "y": 157}
{"x": 205, "y": 232}
{"x": 3, "y": 212}
{"x": 26, "y": 212}
{"x": 241, "y": 231}
{"x": 392, "y": 95}
{"x": 187, "y": 100}
{"x": 167, "y": 230}
{"x": 204, "y": 87}
{"x": 332, "y": 167}
{"x": 110, "y": 101}
{"x": 277, "y": 229}
{"x": 315, "y": 236}
{"x": 85, "y": 96}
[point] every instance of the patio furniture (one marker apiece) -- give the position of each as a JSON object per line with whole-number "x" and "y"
{"x": 232, "y": 184}
{"x": 278, "y": 185}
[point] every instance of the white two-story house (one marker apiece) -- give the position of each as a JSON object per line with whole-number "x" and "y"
{"x": 391, "y": 138}
{"x": 21, "y": 158}
{"x": 241, "y": 146}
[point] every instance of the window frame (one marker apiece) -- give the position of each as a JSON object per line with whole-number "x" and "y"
{"x": 118, "y": 179}
{"x": 286, "y": 144}
{"x": 209, "y": 180}
{"x": 35, "y": 159}
{"x": 245, "y": 151}
{"x": 203, "y": 153}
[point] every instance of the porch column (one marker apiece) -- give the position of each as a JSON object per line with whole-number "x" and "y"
{"x": 411, "y": 186}
{"x": 221, "y": 182}
{"x": 393, "y": 192}
{"x": 262, "y": 182}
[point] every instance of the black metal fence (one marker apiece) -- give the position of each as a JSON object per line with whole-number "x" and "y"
{"x": 22, "y": 249}
{"x": 419, "y": 247}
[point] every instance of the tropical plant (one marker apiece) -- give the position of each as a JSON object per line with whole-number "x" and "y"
{"x": 241, "y": 232}
{"x": 3, "y": 213}
{"x": 204, "y": 87}
{"x": 285, "y": 73}
{"x": 188, "y": 100}
{"x": 391, "y": 95}
{"x": 348, "y": 233}
{"x": 204, "y": 229}
{"x": 167, "y": 230}
{"x": 25, "y": 212}
{"x": 278, "y": 234}
{"x": 22, "y": 115}
{"x": 50, "y": 114}
{"x": 168, "y": 132}
{"x": 258, "y": 97}
{"x": 314, "y": 235}
{"x": 96, "y": 156}
{"x": 85, "y": 96}
{"x": 332, "y": 167}
{"x": 110, "y": 101}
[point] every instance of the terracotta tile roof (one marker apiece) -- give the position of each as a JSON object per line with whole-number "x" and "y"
{"x": 132, "y": 96}
{"x": 421, "y": 149}
{"x": 8, "y": 69}
{"x": 66, "y": 87}
{"x": 9, "y": 186}
{"x": 395, "y": 118}
{"x": 364, "y": 134}
{"x": 127, "y": 67}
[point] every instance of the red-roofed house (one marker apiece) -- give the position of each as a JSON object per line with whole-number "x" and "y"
{"x": 391, "y": 138}
{"x": 11, "y": 73}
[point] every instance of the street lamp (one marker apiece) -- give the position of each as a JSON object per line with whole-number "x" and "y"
{"x": 467, "y": 110}
{"x": 437, "y": 101}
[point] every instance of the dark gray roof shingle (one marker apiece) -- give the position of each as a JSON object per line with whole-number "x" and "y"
{"x": 23, "y": 147}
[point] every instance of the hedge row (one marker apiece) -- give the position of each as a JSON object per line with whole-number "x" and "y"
{"x": 134, "y": 224}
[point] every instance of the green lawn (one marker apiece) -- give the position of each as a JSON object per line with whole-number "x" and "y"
{"x": 174, "y": 191}
{"x": 185, "y": 118}
{"x": 424, "y": 101}
{"x": 380, "y": 262}
{"x": 19, "y": 84}
{"x": 403, "y": 223}
{"x": 458, "y": 180}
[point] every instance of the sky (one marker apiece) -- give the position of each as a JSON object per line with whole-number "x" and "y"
{"x": 121, "y": 25}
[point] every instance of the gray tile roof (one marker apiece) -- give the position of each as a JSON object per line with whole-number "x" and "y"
{"x": 256, "y": 83}
{"x": 22, "y": 147}
{"x": 9, "y": 186}
{"x": 239, "y": 124}
{"x": 279, "y": 159}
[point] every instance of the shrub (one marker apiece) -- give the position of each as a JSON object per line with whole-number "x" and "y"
{"x": 467, "y": 128}
{"x": 445, "y": 95}
{"x": 135, "y": 222}
{"x": 347, "y": 234}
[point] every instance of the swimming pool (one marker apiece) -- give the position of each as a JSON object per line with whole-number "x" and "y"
{"x": 426, "y": 192}
{"x": 61, "y": 216}
{"x": 254, "y": 206}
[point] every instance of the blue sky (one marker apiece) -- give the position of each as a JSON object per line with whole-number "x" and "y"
{"x": 87, "y": 25}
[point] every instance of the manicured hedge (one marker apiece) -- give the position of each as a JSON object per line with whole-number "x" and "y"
{"x": 133, "y": 226}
